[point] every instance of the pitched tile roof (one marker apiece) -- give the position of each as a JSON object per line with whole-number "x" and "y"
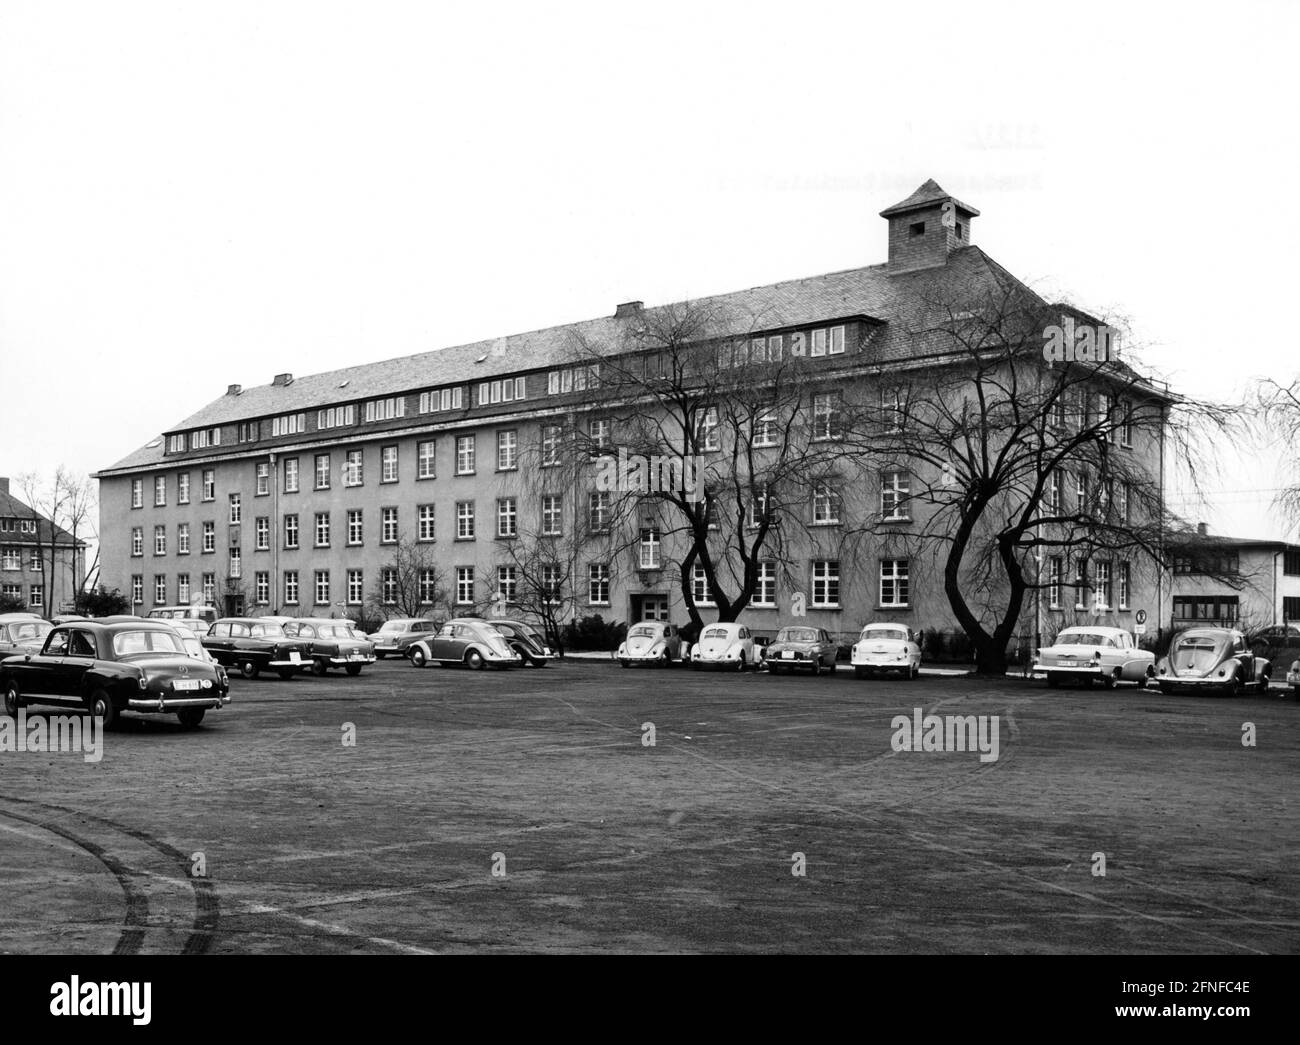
{"x": 896, "y": 300}
{"x": 927, "y": 195}
{"x": 47, "y": 532}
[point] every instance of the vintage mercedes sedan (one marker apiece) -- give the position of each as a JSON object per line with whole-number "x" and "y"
{"x": 253, "y": 645}
{"x": 332, "y": 644}
{"x": 107, "y": 669}
{"x": 526, "y": 641}
{"x": 729, "y": 646}
{"x": 22, "y": 633}
{"x": 650, "y": 642}
{"x": 885, "y": 648}
{"x": 801, "y": 648}
{"x": 1212, "y": 660}
{"x": 468, "y": 641}
{"x": 1092, "y": 653}
{"x": 396, "y": 636}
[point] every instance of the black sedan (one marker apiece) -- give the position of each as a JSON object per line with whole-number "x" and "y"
{"x": 525, "y": 641}
{"x": 252, "y": 646}
{"x": 106, "y": 669}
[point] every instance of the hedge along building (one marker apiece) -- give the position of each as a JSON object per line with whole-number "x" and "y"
{"x": 827, "y": 419}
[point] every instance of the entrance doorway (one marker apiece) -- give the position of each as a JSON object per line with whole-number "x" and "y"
{"x": 649, "y": 607}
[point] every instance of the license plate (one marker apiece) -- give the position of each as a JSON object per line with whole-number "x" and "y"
{"x": 185, "y": 684}
{"x": 293, "y": 656}
{"x": 787, "y": 654}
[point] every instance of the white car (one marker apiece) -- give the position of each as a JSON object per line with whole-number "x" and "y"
{"x": 886, "y": 647}
{"x": 1092, "y": 653}
{"x": 1293, "y": 679}
{"x": 724, "y": 646}
{"x": 650, "y": 642}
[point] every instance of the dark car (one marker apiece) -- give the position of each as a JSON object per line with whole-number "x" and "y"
{"x": 1276, "y": 642}
{"x": 466, "y": 640}
{"x": 253, "y": 646}
{"x": 332, "y": 644}
{"x": 107, "y": 669}
{"x": 22, "y": 633}
{"x": 801, "y": 647}
{"x": 396, "y": 636}
{"x": 1209, "y": 660}
{"x": 525, "y": 641}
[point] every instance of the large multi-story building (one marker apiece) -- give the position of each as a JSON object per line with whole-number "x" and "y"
{"x": 292, "y": 497}
{"x": 42, "y": 566}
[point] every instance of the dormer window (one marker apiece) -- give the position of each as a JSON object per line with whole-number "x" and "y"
{"x": 917, "y": 228}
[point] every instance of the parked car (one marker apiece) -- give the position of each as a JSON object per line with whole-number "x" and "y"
{"x": 22, "y": 633}
{"x": 724, "y": 645}
{"x": 465, "y": 640}
{"x": 526, "y": 641}
{"x": 197, "y": 618}
{"x": 1208, "y": 660}
{"x": 884, "y": 647}
{"x": 650, "y": 642}
{"x": 253, "y": 645}
{"x": 108, "y": 669}
{"x": 801, "y": 648}
{"x": 1274, "y": 641}
{"x": 1092, "y": 653}
{"x": 1293, "y": 679}
{"x": 332, "y": 643}
{"x": 396, "y": 636}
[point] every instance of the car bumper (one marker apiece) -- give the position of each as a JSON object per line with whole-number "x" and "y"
{"x": 163, "y": 705}
{"x": 1076, "y": 671}
{"x": 880, "y": 663}
{"x": 305, "y": 662}
{"x": 340, "y": 662}
{"x": 1175, "y": 682}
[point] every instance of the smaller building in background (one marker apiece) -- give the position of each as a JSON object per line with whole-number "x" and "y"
{"x": 41, "y": 566}
{"x": 1234, "y": 582}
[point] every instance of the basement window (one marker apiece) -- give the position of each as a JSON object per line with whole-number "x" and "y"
{"x": 917, "y": 228}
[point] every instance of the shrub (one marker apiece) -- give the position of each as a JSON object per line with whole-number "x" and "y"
{"x": 960, "y": 649}
{"x": 593, "y": 633}
{"x": 101, "y": 602}
{"x": 11, "y": 604}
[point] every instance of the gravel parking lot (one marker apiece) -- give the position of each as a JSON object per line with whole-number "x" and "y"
{"x": 263, "y": 831}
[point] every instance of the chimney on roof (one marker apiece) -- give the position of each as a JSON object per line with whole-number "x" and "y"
{"x": 628, "y": 308}
{"x": 282, "y": 379}
{"x": 4, "y": 484}
{"x": 234, "y": 390}
{"x": 926, "y": 227}
{"x": 1202, "y": 530}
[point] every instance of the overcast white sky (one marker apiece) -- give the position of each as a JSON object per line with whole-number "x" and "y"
{"x": 193, "y": 195}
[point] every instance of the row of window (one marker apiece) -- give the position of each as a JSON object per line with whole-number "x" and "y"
{"x": 11, "y": 525}
{"x": 893, "y": 591}
{"x": 12, "y": 558}
{"x": 1101, "y": 582}
{"x": 35, "y": 594}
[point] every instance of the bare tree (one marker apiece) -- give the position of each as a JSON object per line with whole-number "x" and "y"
{"x": 410, "y": 583}
{"x": 703, "y": 449}
{"x": 1275, "y": 417}
{"x": 61, "y": 512}
{"x": 1012, "y": 436}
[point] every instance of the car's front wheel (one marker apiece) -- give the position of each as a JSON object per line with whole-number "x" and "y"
{"x": 12, "y": 700}
{"x": 191, "y": 717}
{"x": 417, "y": 657}
{"x": 101, "y": 707}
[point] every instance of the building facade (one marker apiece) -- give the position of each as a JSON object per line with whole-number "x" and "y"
{"x": 295, "y": 497}
{"x": 42, "y": 567}
{"x": 1234, "y": 582}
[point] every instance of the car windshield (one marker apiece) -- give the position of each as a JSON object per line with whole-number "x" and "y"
{"x": 1085, "y": 638}
{"x": 642, "y": 631}
{"x": 796, "y": 635}
{"x": 267, "y": 631}
{"x": 37, "y": 629}
{"x": 131, "y": 643}
{"x": 891, "y": 634}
